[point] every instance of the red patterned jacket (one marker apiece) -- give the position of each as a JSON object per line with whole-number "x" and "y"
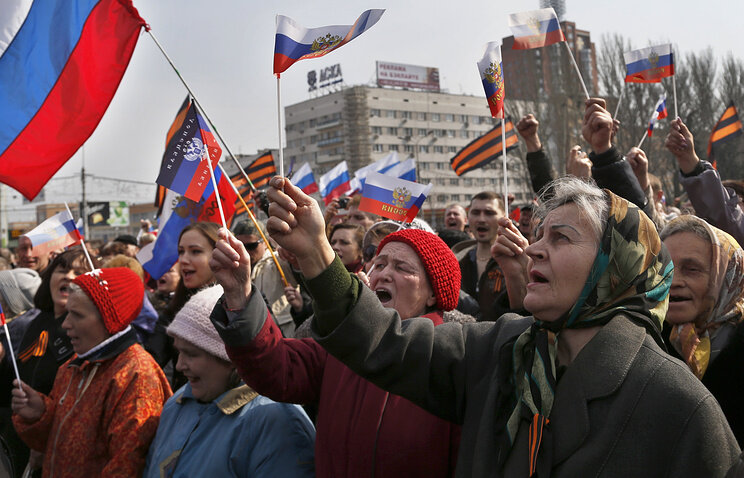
{"x": 101, "y": 415}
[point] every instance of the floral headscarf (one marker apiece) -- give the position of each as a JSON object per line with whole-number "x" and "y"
{"x": 724, "y": 298}
{"x": 631, "y": 274}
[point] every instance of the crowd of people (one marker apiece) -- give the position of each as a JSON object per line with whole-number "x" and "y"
{"x": 600, "y": 334}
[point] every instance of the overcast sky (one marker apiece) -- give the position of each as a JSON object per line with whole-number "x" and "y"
{"x": 224, "y": 49}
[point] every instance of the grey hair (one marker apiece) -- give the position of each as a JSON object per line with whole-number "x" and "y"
{"x": 590, "y": 200}
{"x": 687, "y": 223}
{"x": 378, "y": 230}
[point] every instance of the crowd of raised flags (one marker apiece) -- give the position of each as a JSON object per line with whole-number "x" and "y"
{"x": 186, "y": 191}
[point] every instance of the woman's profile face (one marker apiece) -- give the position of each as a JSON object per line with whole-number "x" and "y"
{"x": 691, "y": 255}
{"x": 194, "y": 253}
{"x": 559, "y": 262}
{"x": 83, "y": 323}
{"x": 345, "y": 245}
{"x": 59, "y": 283}
{"x": 209, "y": 376}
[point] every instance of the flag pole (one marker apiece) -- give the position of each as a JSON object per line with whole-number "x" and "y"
{"x": 214, "y": 128}
{"x": 279, "y": 124}
{"x": 503, "y": 158}
{"x": 576, "y": 66}
{"x": 82, "y": 242}
{"x": 642, "y": 140}
{"x": 620, "y": 100}
{"x": 216, "y": 192}
{"x": 258, "y": 228}
{"x": 10, "y": 348}
{"x": 674, "y": 91}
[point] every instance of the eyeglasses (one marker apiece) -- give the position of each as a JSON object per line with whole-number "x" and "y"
{"x": 369, "y": 252}
{"x": 251, "y": 246}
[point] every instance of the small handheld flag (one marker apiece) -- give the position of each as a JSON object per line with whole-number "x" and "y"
{"x": 404, "y": 170}
{"x": 485, "y": 149}
{"x": 380, "y": 166}
{"x": 491, "y": 73}
{"x": 535, "y": 29}
{"x": 261, "y": 170}
{"x": 660, "y": 112}
{"x": 649, "y": 65}
{"x": 55, "y": 233}
{"x": 295, "y": 42}
{"x": 392, "y": 197}
{"x": 727, "y": 128}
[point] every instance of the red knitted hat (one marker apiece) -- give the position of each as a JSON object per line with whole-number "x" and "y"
{"x": 117, "y": 293}
{"x": 440, "y": 263}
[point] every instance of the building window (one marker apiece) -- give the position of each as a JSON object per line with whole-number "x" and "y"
{"x": 439, "y": 149}
{"x": 435, "y": 116}
{"x": 423, "y": 148}
{"x": 377, "y": 148}
{"x": 423, "y": 166}
{"x": 449, "y": 117}
{"x": 390, "y": 113}
{"x": 408, "y": 148}
{"x": 405, "y": 114}
{"x": 377, "y": 130}
{"x": 393, "y": 147}
{"x": 451, "y": 133}
{"x": 408, "y": 132}
{"x": 422, "y": 131}
{"x": 312, "y": 123}
{"x": 392, "y": 131}
{"x": 440, "y": 165}
{"x": 468, "y": 181}
{"x": 454, "y": 182}
{"x": 375, "y": 112}
{"x": 421, "y": 116}
{"x": 464, "y": 133}
{"x": 452, "y": 149}
{"x": 476, "y": 119}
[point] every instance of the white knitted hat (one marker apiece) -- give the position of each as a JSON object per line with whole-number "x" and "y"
{"x": 192, "y": 322}
{"x": 18, "y": 287}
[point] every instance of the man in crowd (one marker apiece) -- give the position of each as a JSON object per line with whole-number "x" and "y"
{"x": 29, "y": 259}
{"x": 455, "y": 217}
{"x": 481, "y": 276}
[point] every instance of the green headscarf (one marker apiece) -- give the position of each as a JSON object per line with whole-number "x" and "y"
{"x": 631, "y": 274}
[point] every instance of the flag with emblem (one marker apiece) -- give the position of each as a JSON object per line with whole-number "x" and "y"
{"x": 483, "y": 150}
{"x": 649, "y": 65}
{"x": 492, "y": 77}
{"x": 392, "y": 197}
{"x": 184, "y": 168}
{"x": 170, "y": 138}
{"x": 294, "y": 42}
{"x": 55, "y": 233}
{"x": 535, "y": 29}
{"x": 727, "y": 128}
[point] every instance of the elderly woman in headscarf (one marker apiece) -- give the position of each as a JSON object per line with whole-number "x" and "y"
{"x": 581, "y": 388}
{"x": 706, "y": 306}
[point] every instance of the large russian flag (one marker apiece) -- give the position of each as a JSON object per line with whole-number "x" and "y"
{"x": 492, "y": 77}
{"x": 393, "y": 197}
{"x": 334, "y": 183}
{"x": 379, "y": 166}
{"x": 535, "y": 29}
{"x": 295, "y": 42}
{"x": 55, "y": 233}
{"x": 61, "y": 62}
{"x": 649, "y": 65}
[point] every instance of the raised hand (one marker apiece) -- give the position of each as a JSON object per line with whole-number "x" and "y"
{"x": 527, "y": 128}
{"x": 231, "y": 266}
{"x": 508, "y": 251}
{"x": 639, "y": 162}
{"x": 682, "y": 145}
{"x": 297, "y": 225}
{"x": 578, "y": 163}
{"x": 598, "y": 125}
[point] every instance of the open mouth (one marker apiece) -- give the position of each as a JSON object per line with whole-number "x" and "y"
{"x": 538, "y": 278}
{"x": 384, "y": 295}
{"x": 678, "y": 298}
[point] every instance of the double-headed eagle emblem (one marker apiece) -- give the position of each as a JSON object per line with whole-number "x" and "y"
{"x": 401, "y": 196}
{"x": 325, "y": 42}
{"x": 653, "y": 59}
{"x": 534, "y": 25}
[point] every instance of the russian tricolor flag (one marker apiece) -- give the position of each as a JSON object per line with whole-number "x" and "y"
{"x": 393, "y": 197}
{"x": 295, "y": 42}
{"x": 380, "y": 166}
{"x": 60, "y": 65}
{"x": 55, "y": 233}
{"x": 303, "y": 178}
{"x": 649, "y": 65}
{"x": 334, "y": 183}
{"x": 660, "y": 112}
{"x": 492, "y": 77}
{"x": 535, "y": 29}
{"x": 403, "y": 170}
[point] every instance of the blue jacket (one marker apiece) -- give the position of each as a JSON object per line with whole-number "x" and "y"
{"x": 239, "y": 434}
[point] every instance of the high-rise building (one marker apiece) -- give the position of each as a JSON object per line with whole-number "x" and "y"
{"x": 539, "y": 72}
{"x": 361, "y": 124}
